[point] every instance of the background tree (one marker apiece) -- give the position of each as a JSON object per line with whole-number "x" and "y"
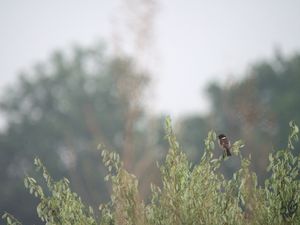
{"x": 61, "y": 111}
{"x": 257, "y": 109}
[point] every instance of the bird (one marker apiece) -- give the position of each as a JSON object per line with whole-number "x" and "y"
{"x": 225, "y": 144}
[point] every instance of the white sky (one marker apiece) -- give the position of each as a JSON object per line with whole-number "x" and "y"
{"x": 196, "y": 41}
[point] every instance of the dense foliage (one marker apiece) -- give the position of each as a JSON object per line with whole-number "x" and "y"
{"x": 256, "y": 106}
{"x": 190, "y": 194}
{"x": 62, "y": 108}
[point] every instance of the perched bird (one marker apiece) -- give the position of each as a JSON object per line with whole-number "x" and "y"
{"x": 224, "y": 144}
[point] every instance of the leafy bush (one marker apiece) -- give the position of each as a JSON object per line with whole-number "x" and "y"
{"x": 190, "y": 194}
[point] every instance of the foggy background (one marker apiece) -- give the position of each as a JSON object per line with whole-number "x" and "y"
{"x": 192, "y": 43}
{"x": 79, "y": 73}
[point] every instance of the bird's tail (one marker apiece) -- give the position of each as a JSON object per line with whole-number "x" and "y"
{"x": 228, "y": 153}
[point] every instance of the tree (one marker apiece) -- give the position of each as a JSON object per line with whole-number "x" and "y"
{"x": 190, "y": 194}
{"x": 61, "y": 111}
{"x": 258, "y": 107}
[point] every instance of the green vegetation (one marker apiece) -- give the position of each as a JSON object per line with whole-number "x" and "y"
{"x": 254, "y": 106}
{"x": 190, "y": 194}
{"x": 62, "y": 108}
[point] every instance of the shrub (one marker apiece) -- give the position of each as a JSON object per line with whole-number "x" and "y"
{"x": 190, "y": 194}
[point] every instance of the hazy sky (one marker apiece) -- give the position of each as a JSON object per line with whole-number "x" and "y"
{"x": 196, "y": 41}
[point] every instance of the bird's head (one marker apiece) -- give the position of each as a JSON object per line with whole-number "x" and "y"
{"x": 221, "y": 136}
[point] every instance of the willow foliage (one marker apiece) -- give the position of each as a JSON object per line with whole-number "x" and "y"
{"x": 189, "y": 195}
